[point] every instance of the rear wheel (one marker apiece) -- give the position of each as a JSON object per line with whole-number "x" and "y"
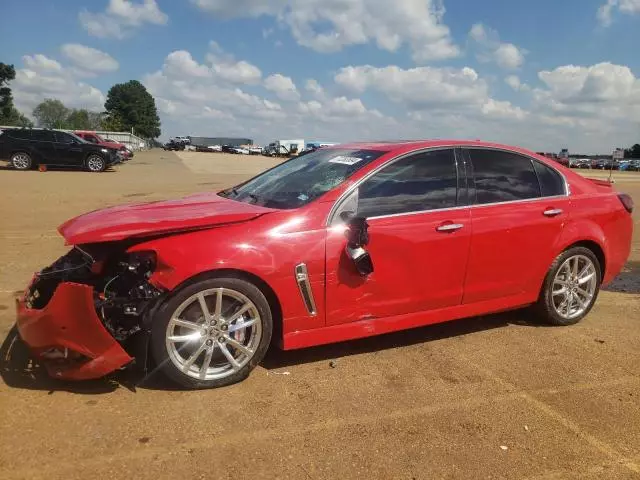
{"x": 95, "y": 163}
{"x": 21, "y": 161}
{"x": 212, "y": 333}
{"x": 571, "y": 287}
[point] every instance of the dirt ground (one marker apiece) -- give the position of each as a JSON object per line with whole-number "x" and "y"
{"x": 493, "y": 397}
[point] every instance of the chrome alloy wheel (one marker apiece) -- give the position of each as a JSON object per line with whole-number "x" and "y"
{"x": 95, "y": 163}
{"x": 574, "y": 286}
{"x": 213, "y": 334}
{"x": 21, "y": 161}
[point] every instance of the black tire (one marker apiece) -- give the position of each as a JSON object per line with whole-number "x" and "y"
{"x": 21, "y": 161}
{"x": 95, "y": 163}
{"x": 159, "y": 332}
{"x": 545, "y": 306}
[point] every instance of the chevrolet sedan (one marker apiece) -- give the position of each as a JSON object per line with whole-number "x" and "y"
{"x": 345, "y": 242}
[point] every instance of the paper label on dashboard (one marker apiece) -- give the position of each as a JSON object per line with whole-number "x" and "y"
{"x": 345, "y": 160}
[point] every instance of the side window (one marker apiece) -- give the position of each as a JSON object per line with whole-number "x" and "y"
{"x": 551, "y": 183}
{"x": 502, "y": 176}
{"x": 90, "y": 138}
{"x": 19, "y": 134}
{"x": 62, "y": 137}
{"x": 425, "y": 181}
{"x": 42, "y": 135}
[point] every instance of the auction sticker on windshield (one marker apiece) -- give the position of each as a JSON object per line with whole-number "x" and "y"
{"x": 345, "y": 160}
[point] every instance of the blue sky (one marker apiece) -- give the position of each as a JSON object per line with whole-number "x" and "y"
{"x": 544, "y": 74}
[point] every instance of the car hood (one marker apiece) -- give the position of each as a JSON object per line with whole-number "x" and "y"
{"x": 145, "y": 219}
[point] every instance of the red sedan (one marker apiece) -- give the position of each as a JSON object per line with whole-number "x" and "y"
{"x": 345, "y": 242}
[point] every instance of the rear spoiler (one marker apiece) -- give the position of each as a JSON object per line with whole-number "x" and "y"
{"x": 603, "y": 183}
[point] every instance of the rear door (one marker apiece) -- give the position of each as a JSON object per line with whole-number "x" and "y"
{"x": 68, "y": 151}
{"x": 42, "y": 144}
{"x": 520, "y": 208}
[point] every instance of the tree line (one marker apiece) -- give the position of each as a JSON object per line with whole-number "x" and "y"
{"x": 129, "y": 107}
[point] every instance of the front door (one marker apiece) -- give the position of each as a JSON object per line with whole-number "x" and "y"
{"x": 419, "y": 228}
{"x": 520, "y": 210}
{"x": 68, "y": 150}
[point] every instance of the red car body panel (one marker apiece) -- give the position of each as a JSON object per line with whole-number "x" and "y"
{"x": 101, "y": 141}
{"x": 497, "y": 261}
{"x": 189, "y": 213}
{"x": 69, "y": 321}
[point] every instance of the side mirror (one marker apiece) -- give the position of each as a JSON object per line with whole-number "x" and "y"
{"x": 357, "y": 239}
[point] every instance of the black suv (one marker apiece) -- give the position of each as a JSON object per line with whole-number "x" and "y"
{"x": 25, "y": 148}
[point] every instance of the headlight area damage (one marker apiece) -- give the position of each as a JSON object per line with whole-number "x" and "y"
{"x": 78, "y": 314}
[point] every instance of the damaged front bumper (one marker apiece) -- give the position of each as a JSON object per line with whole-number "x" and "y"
{"x": 67, "y": 336}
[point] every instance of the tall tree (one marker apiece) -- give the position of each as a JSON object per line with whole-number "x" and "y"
{"x": 51, "y": 114}
{"x": 9, "y": 115}
{"x": 635, "y": 151}
{"x": 129, "y": 105}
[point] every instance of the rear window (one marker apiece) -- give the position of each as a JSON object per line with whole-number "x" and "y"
{"x": 551, "y": 183}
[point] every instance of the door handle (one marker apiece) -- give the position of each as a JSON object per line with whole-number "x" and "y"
{"x": 450, "y": 227}
{"x": 552, "y": 212}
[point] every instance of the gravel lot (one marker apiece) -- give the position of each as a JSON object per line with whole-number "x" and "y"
{"x": 492, "y": 397}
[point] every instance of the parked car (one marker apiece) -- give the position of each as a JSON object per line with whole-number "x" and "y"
{"x": 241, "y": 150}
{"x": 227, "y": 149}
{"x": 634, "y": 165}
{"x": 173, "y": 145}
{"x": 26, "y": 148}
{"x": 93, "y": 137}
{"x": 345, "y": 242}
{"x": 605, "y": 164}
{"x": 583, "y": 163}
{"x": 214, "y": 148}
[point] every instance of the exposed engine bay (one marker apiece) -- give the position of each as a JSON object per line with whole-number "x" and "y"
{"x": 122, "y": 292}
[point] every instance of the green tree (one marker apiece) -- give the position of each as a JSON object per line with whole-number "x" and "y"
{"x": 634, "y": 152}
{"x": 51, "y": 113}
{"x": 128, "y": 106}
{"x": 9, "y": 115}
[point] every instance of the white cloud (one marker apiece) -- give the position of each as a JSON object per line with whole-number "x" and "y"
{"x": 121, "y": 18}
{"x": 226, "y": 67}
{"x": 605, "y": 12}
{"x": 282, "y": 86}
{"x": 506, "y": 55}
{"x": 417, "y": 88}
{"x": 32, "y": 85}
{"x": 41, "y": 63}
{"x": 89, "y": 61}
{"x": 416, "y": 23}
{"x": 514, "y": 82}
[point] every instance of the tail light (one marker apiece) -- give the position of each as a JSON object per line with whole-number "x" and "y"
{"x": 627, "y": 201}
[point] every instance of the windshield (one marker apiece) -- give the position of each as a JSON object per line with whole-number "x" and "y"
{"x": 301, "y": 180}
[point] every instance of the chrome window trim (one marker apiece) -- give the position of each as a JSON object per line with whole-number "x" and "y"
{"x": 344, "y": 194}
{"x": 302, "y": 279}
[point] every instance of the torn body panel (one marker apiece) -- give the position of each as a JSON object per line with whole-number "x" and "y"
{"x": 76, "y": 313}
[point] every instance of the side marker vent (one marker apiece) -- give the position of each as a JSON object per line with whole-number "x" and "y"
{"x": 302, "y": 279}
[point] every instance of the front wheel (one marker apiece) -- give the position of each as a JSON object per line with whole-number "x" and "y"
{"x": 571, "y": 287}
{"x": 212, "y": 333}
{"x": 95, "y": 163}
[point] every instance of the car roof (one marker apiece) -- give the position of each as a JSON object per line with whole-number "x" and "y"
{"x": 408, "y": 145}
